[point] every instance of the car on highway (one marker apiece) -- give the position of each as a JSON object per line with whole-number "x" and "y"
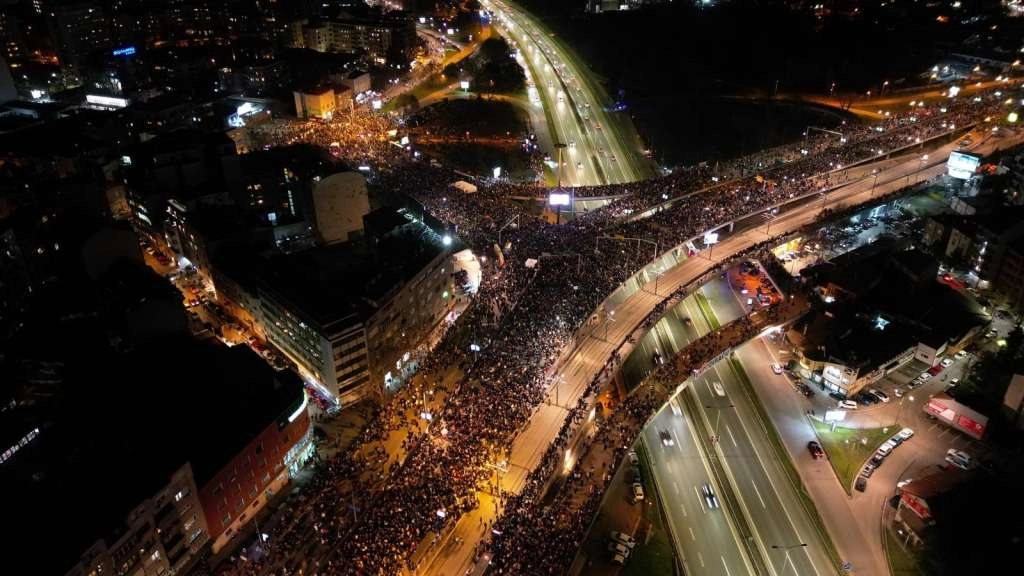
{"x": 572, "y": 143}
{"x": 719, "y": 390}
{"x": 579, "y": 166}
{"x": 634, "y": 460}
{"x": 656, "y": 358}
{"x": 666, "y": 438}
{"x": 815, "y": 449}
{"x": 882, "y": 396}
{"x": 847, "y": 405}
{"x": 709, "y": 496}
{"x": 637, "y": 494}
{"x": 776, "y": 368}
{"x": 624, "y": 539}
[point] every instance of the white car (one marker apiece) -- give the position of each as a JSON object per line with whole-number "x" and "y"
{"x": 946, "y": 363}
{"x": 879, "y": 394}
{"x": 638, "y": 492}
{"x": 776, "y": 369}
{"x": 624, "y": 539}
{"x": 634, "y": 460}
{"x": 925, "y": 376}
{"x": 905, "y": 434}
{"x": 897, "y": 392}
{"x": 847, "y": 404}
{"x": 959, "y": 355}
{"x": 709, "y": 496}
{"x": 718, "y": 388}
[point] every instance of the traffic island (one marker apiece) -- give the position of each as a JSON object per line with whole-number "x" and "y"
{"x": 848, "y": 448}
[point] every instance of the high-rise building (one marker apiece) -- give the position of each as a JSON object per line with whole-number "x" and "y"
{"x": 78, "y": 29}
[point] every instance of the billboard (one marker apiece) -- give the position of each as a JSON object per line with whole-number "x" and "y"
{"x": 107, "y": 101}
{"x": 962, "y": 165}
{"x": 558, "y": 199}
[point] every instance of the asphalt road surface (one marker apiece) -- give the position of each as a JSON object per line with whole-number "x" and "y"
{"x": 596, "y": 344}
{"x": 600, "y": 148}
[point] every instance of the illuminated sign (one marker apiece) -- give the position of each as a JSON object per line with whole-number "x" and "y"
{"x": 126, "y": 51}
{"x": 962, "y": 165}
{"x": 558, "y": 199}
{"x": 835, "y": 415}
{"x": 710, "y": 238}
{"x": 107, "y": 101}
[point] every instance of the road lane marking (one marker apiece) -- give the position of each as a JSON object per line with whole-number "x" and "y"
{"x": 727, "y": 572}
{"x": 729, "y": 430}
{"x": 699, "y": 499}
{"x": 683, "y": 506}
{"x": 758, "y": 492}
{"x": 692, "y": 535}
{"x": 675, "y": 486}
{"x": 701, "y": 558}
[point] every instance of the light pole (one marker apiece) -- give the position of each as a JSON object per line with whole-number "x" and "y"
{"x": 718, "y": 419}
{"x": 787, "y": 559}
{"x": 920, "y": 167}
{"x": 899, "y": 413}
{"x": 874, "y": 174}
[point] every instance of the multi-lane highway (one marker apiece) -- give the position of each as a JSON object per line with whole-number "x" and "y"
{"x": 597, "y": 343}
{"x": 602, "y": 147}
{"x": 709, "y": 542}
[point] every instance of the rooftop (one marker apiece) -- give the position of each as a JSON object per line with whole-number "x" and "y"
{"x": 120, "y": 426}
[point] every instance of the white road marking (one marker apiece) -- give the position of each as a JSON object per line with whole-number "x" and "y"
{"x": 758, "y": 492}
{"x": 701, "y": 558}
{"x": 699, "y": 499}
{"x": 729, "y": 430}
{"x": 692, "y": 535}
{"x": 675, "y": 486}
{"x": 683, "y": 506}
{"x": 727, "y": 572}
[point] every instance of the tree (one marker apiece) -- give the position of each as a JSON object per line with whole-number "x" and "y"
{"x": 407, "y": 102}
{"x": 451, "y": 71}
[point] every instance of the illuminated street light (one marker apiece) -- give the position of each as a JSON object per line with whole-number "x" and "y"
{"x": 446, "y": 240}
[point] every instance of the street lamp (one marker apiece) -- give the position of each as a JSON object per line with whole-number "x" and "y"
{"x": 899, "y": 413}
{"x": 874, "y": 174}
{"x": 718, "y": 418}
{"x": 787, "y": 559}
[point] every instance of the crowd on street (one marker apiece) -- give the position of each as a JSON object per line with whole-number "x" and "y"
{"x": 541, "y": 283}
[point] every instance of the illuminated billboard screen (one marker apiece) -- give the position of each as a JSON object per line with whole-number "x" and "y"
{"x": 962, "y": 165}
{"x": 558, "y": 199}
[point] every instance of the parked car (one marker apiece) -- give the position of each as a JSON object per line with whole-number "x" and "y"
{"x": 925, "y": 376}
{"x": 868, "y": 470}
{"x": 959, "y": 458}
{"x": 616, "y": 547}
{"x": 960, "y": 355}
{"x": 618, "y": 559}
{"x": 638, "y": 492}
{"x": 861, "y": 484}
{"x": 815, "y": 449}
{"x": 624, "y": 539}
{"x": 905, "y": 434}
{"x": 709, "y": 496}
{"x": 946, "y": 362}
{"x": 879, "y": 394}
{"x": 847, "y": 404}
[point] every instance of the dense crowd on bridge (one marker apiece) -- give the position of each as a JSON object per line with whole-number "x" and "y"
{"x": 523, "y": 318}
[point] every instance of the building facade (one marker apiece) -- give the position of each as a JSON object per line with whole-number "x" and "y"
{"x": 161, "y": 536}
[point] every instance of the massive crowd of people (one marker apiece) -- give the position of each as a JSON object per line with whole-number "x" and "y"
{"x": 541, "y": 283}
